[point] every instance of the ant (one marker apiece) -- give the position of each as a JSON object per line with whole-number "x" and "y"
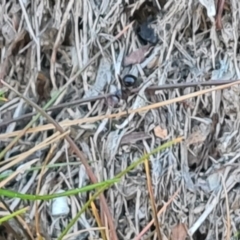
{"x": 128, "y": 82}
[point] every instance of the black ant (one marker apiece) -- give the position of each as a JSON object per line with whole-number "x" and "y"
{"x": 128, "y": 82}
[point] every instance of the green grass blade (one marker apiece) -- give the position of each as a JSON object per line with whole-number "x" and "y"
{"x": 12, "y": 215}
{"x": 85, "y": 206}
{"x": 13, "y": 194}
{"x": 147, "y": 155}
{"x": 2, "y": 98}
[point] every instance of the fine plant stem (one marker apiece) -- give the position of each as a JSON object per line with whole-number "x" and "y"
{"x": 86, "y": 205}
{"x": 104, "y": 185}
{"x": 147, "y": 155}
{"x": 154, "y": 210}
{"x": 13, "y": 194}
{"x": 12, "y": 215}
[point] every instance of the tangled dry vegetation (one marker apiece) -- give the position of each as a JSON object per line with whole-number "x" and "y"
{"x": 44, "y": 45}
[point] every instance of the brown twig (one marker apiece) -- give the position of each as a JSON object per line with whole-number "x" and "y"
{"x": 220, "y": 6}
{"x": 105, "y": 96}
{"x": 139, "y": 236}
{"x": 78, "y": 153}
{"x": 122, "y": 113}
{"x": 37, "y": 212}
{"x": 150, "y": 190}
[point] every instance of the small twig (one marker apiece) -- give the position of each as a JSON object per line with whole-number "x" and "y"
{"x": 49, "y": 155}
{"x": 3, "y": 67}
{"x": 117, "y": 115}
{"x": 78, "y": 153}
{"x": 105, "y": 96}
{"x": 227, "y": 209}
{"x": 139, "y": 236}
{"x": 38, "y": 49}
{"x": 154, "y": 210}
{"x": 220, "y": 6}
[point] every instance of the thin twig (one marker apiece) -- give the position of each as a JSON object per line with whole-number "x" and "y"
{"x": 117, "y": 115}
{"x": 38, "y": 49}
{"x": 159, "y": 213}
{"x": 220, "y": 6}
{"x": 227, "y": 209}
{"x": 154, "y": 210}
{"x": 38, "y": 187}
{"x": 150, "y": 89}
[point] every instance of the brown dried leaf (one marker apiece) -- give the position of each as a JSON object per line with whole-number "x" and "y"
{"x": 159, "y": 132}
{"x": 179, "y": 232}
{"x": 137, "y": 56}
{"x": 43, "y": 86}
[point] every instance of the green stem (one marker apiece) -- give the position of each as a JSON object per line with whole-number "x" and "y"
{"x": 86, "y": 205}
{"x": 13, "y": 194}
{"x": 12, "y": 215}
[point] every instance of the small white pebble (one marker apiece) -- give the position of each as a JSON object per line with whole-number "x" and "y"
{"x": 60, "y": 206}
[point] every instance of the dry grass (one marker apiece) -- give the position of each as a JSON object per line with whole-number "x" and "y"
{"x": 80, "y": 47}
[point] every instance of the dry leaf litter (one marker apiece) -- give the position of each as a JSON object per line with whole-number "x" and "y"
{"x": 170, "y": 42}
